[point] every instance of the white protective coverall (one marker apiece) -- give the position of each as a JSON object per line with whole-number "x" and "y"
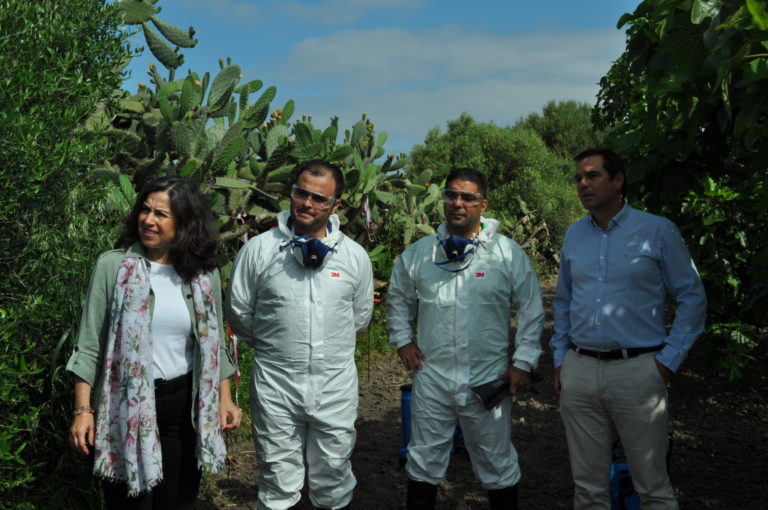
{"x": 463, "y": 331}
{"x": 302, "y": 324}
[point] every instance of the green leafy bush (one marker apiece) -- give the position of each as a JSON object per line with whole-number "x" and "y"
{"x": 686, "y": 105}
{"x": 62, "y": 60}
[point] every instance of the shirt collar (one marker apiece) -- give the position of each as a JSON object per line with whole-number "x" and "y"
{"x": 136, "y": 250}
{"x": 616, "y": 221}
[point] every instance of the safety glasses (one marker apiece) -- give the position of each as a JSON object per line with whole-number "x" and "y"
{"x": 300, "y": 194}
{"x": 451, "y": 195}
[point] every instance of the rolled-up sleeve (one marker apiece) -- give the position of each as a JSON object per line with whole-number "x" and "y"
{"x": 226, "y": 359}
{"x": 85, "y": 361}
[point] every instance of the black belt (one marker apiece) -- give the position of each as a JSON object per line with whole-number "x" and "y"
{"x": 175, "y": 384}
{"x": 627, "y": 353}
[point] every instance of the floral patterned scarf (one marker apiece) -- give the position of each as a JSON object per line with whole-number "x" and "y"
{"x": 127, "y": 445}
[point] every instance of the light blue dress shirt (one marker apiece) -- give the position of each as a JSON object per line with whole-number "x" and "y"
{"x": 613, "y": 284}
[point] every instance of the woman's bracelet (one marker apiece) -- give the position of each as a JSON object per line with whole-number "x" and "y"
{"x": 83, "y": 410}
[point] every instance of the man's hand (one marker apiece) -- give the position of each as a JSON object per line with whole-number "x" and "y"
{"x": 411, "y": 357}
{"x": 519, "y": 380}
{"x": 666, "y": 373}
{"x": 557, "y": 380}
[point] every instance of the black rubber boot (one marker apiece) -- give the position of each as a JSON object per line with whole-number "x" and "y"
{"x": 503, "y": 499}
{"x": 421, "y": 495}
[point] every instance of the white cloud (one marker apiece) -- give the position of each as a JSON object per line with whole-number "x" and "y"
{"x": 410, "y": 81}
{"x": 386, "y": 56}
{"x": 337, "y": 12}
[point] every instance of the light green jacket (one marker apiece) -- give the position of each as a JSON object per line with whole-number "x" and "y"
{"x": 86, "y": 361}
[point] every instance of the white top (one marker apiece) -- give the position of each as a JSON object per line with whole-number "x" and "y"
{"x": 173, "y": 351}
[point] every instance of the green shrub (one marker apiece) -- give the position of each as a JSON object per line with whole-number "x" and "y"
{"x": 61, "y": 60}
{"x": 375, "y": 339}
{"x": 685, "y": 105}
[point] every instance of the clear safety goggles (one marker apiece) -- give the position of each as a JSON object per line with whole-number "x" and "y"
{"x": 300, "y": 194}
{"x": 451, "y": 195}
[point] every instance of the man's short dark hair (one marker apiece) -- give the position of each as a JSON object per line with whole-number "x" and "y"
{"x": 320, "y": 167}
{"x": 612, "y": 163}
{"x": 471, "y": 175}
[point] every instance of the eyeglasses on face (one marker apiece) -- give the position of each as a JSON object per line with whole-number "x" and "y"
{"x": 451, "y": 195}
{"x": 301, "y": 195}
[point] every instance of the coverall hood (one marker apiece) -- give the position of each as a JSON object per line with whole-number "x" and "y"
{"x": 439, "y": 257}
{"x": 294, "y": 242}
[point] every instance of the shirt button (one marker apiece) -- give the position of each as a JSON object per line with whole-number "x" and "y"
{"x": 598, "y": 300}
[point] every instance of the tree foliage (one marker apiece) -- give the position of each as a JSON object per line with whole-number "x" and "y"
{"x": 686, "y": 105}
{"x": 565, "y": 127}
{"x": 61, "y": 60}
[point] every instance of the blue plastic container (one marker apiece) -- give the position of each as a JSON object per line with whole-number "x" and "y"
{"x": 405, "y": 424}
{"x": 623, "y": 495}
{"x": 405, "y": 420}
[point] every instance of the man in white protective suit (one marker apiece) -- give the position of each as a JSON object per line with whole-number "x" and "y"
{"x": 300, "y": 294}
{"x": 460, "y": 285}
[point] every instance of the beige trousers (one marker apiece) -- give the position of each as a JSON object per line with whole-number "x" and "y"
{"x": 602, "y": 399}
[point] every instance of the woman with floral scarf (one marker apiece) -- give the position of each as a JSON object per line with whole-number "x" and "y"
{"x": 151, "y": 366}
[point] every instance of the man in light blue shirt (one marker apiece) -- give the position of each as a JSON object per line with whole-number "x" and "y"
{"x": 612, "y": 353}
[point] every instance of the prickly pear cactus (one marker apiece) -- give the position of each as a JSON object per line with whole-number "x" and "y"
{"x": 143, "y": 13}
{"x": 227, "y": 135}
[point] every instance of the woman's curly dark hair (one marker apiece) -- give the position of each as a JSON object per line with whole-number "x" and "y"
{"x": 195, "y": 243}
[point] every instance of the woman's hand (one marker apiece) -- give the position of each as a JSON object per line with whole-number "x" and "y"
{"x": 229, "y": 413}
{"x": 81, "y": 433}
{"x": 83, "y": 428}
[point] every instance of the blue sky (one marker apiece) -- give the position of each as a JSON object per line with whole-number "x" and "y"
{"x": 409, "y": 64}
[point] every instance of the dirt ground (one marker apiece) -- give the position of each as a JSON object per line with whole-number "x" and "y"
{"x": 719, "y": 457}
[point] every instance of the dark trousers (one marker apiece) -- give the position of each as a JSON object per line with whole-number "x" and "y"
{"x": 181, "y": 477}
